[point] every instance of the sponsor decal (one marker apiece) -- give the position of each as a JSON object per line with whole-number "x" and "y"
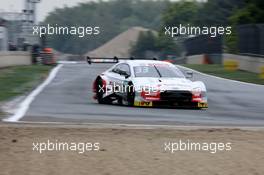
{"x": 143, "y": 103}
{"x": 202, "y": 105}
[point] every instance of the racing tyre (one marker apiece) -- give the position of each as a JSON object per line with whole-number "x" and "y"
{"x": 130, "y": 94}
{"x": 99, "y": 94}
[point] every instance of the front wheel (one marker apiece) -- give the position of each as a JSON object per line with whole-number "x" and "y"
{"x": 130, "y": 94}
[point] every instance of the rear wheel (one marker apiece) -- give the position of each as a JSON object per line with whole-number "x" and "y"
{"x": 100, "y": 92}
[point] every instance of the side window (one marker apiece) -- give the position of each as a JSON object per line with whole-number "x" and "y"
{"x": 121, "y": 68}
{"x": 125, "y": 68}
{"x": 116, "y": 68}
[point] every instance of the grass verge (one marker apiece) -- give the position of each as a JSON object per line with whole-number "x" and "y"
{"x": 219, "y": 71}
{"x": 15, "y": 81}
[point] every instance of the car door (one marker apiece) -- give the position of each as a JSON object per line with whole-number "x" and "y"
{"x": 125, "y": 79}
{"x": 117, "y": 79}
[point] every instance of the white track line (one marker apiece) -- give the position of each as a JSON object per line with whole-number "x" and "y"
{"x": 23, "y": 107}
{"x": 67, "y": 62}
{"x": 140, "y": 126}
{"x": 220, "y": 78}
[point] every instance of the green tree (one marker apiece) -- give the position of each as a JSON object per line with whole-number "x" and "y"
{"x": 146, "y": 42}
{"x": 251, "y": 13}
{"x": 150, "y": 41}
{"x": 182, "y": 12}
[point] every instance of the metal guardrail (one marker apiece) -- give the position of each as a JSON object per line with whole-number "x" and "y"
{"x": 252, "y": 55}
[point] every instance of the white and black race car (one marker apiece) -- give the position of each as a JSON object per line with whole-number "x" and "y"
{"x": 147, "y": 83}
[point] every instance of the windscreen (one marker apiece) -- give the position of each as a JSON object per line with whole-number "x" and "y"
{"x": 157, "y": 71}
{"x": 169, "y": 72}
{"x": 146, "y": 71}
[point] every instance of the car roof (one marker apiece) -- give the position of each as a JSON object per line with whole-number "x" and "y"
{"x": 144, "y": 62}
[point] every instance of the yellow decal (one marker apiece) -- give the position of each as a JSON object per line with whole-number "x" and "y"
{"x": 202, "y": 105}
{"x": 142, "y": 103}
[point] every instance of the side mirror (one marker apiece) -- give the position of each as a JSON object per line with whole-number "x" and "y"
{"x": 124, "y": 73}
{"x": 88, "y": 59}
{"x": 189, "y": 74}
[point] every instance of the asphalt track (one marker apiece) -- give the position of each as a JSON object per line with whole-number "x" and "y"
{"x": 68, "y": 98}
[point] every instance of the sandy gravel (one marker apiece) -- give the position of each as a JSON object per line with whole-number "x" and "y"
{"x": 128, "y": 151}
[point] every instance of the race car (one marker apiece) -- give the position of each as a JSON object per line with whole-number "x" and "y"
{"x": 147, "y": 83}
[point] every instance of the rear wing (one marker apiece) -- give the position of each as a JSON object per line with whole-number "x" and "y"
{"x": 91, "y": 60}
